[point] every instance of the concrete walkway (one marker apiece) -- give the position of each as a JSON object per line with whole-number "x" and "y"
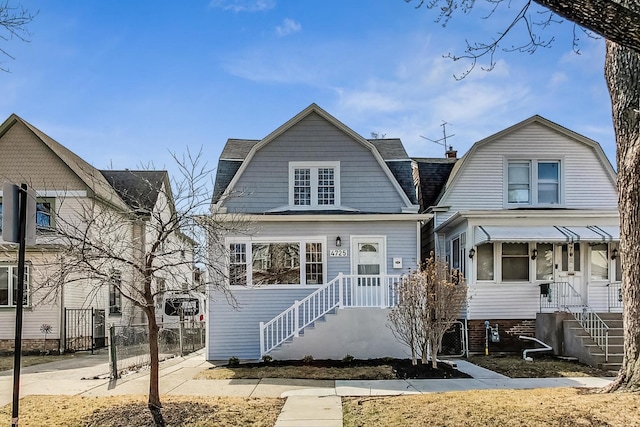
{"x": 309, "y": 403}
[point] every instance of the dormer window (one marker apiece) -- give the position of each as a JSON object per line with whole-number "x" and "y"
{"x": 533, "y": 182}
{"x": 314, "y": 184}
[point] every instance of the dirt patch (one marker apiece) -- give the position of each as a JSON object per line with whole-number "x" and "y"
{"x": 370, "y": 369}
{"x": 124, "y": 411}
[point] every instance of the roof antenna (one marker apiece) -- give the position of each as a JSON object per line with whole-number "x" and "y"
{"x": 442, "y": 141}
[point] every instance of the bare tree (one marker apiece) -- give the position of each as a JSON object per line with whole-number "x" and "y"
{"x": 618, "y": 21}
{"x": 144, "y": 250}
{"x": 13, "y": 23}
{"x": 430, "y": 300}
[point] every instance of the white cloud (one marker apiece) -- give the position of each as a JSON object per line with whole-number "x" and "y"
{"x": 289, "y": 26}
{"x": 243, "y": 5}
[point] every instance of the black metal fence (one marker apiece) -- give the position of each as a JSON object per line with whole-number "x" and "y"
{"x": 130, "y": 344}
{"x": 84, "y": 329}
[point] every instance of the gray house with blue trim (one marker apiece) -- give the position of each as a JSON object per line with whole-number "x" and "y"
{"x": 322, "y": 225}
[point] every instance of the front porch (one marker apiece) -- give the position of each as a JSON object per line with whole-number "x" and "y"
{"x": 345, "y": 291}
{"x": 569, "y": 324}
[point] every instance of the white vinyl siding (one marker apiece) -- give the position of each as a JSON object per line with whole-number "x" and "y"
{"x": 481, "y": 183}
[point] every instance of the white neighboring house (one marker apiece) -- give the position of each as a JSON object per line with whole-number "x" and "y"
{"x": 530, "y": 216}
{"x": 77, "y": 313}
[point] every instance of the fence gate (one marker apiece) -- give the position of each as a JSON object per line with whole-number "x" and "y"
{"x": 453, "y": 341}
{"x": 84, "y": 329}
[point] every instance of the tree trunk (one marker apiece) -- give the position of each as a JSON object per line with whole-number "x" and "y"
{"x": 154, "y": 388}
{"x": 622, "y": 72}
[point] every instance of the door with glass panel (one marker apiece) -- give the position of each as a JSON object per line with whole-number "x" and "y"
{"x": 569, "y": 267}
{"x": 368, "y": 264}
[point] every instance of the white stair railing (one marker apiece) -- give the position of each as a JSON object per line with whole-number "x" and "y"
{"x": 343, "y": 291}
{"x": 563, "y": 296}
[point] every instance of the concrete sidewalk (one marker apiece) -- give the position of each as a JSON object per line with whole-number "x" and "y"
{"x": 309, "y": 402}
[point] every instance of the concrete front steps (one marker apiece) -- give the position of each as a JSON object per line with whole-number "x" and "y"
{"x": 347, "y": 331}
{"x": 578, "y": 343}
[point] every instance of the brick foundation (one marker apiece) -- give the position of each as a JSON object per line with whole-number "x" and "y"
{"x": 509, "y": 330}
{"x": 31, "y": 346}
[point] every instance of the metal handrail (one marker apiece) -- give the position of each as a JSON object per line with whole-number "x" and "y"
{"x": 614, "y": 295}
{"x": 343, "y": 291}
{"x": 563, "y": 296}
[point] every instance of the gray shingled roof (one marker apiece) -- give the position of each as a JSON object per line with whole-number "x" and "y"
{"x": 138, "y": 188}
{"x": 433, "y": 176}
{"x": 390, "y": 149}
{"x": 237, "y": 149}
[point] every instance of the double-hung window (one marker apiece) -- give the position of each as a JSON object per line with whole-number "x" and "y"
{"x": 276, "y": 263}
{"x": 9, "y": 285}
{"x": 314, "y": 184}
{"x": 533, "y": 182}
{"x": 515, "y": 262}
{"x": 115, "y": 295}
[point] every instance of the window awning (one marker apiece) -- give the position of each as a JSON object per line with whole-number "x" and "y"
{"x": 546, "y": 234}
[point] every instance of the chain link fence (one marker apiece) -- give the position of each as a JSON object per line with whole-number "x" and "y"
{"x": 129, "y": 349}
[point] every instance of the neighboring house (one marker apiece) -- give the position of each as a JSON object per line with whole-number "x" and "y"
{"x": 78, "y": 310}
{"x": 529, "y": 215}
{"x": 326, "y": 222}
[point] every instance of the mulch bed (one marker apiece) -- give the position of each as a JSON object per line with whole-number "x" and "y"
{"x": 402, "y": 368}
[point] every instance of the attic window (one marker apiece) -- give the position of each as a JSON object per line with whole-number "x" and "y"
{"x": 533, "y": 183}
{"x": 314, "y": 184}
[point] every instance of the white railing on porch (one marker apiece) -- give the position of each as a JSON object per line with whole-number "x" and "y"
{"x": 343, "y": 291}
{"x": 563, "y": 296}
{"x": 614, "y": 295}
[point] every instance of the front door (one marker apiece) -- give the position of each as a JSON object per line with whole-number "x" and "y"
{"x": 368, "y": 264}
{"x": 569, "y": 267}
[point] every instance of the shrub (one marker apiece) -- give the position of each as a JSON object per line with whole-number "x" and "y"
{"x": 348, "y": 359}
{"x": 233, "y": 361}
{"x": 267, "y": 359}
{"x": 307, "y": 359}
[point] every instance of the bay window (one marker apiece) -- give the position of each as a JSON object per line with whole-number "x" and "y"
{"x": 276, "y": 263}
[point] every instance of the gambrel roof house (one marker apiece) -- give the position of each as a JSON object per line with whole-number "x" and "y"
{"x": 530, "y": 216}
{"x": 65, "y": 184}
{"x": 331, "y": 223}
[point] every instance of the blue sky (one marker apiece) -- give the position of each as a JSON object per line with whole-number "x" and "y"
{"x": 123, "y": 84}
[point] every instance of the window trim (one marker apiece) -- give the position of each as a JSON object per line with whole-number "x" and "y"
{"x": 314, "y": 167}
{"x": 527, "y": 256}
{"x": 27, "y": 284}
{"x": 534, "y": 181}
{"x": 302, "y": 241}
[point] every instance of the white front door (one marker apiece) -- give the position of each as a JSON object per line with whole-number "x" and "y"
{"x": 570, "y": 267}
{"x": 368, "y": 262}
